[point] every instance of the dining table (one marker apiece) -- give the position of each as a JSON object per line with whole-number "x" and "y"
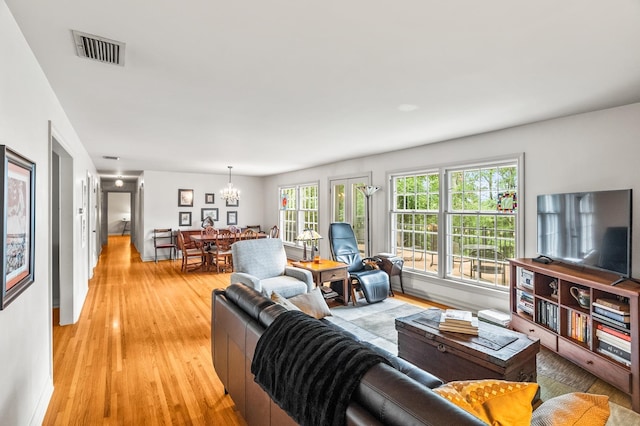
{"x": 204, "y": 238}
{"x": 214, "y": 238}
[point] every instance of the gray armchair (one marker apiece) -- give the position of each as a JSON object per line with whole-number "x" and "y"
{"x": 262, "y": 264}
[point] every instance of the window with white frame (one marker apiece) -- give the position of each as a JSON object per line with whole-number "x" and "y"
{"x": 458, "y": 222}
{"x": 298, "y": 210}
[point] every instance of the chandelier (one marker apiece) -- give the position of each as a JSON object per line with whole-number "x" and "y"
{"x": 230, "y": 194}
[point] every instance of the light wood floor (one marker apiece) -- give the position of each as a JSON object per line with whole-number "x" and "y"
{"x": 141, "y": 351}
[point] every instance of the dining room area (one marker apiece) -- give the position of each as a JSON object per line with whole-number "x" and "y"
{"x": 209, "y": 249}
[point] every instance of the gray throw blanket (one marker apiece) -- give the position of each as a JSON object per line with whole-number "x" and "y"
{"x": 310, "y": 369}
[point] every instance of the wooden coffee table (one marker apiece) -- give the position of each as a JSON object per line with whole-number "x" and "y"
{"x": 496, "y": 353}
{"x": 326, "y": 271}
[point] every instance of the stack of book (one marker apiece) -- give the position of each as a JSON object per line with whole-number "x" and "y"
{"x": 612, "y": 311}
{"x": 458, "y": 321}
{"x": 614, "y": 337}
{"x": 525, "y": 302}
{"x": 495, "y": 317}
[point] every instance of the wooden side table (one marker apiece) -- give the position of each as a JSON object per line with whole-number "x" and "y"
{"x": 392, "y": 265}
{"x": 328, "y": 270}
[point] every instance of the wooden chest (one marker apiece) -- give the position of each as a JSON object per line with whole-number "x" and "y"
{"x": 496, "y": 353}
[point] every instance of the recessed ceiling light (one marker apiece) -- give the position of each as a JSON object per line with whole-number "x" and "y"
{"x": 407, "y": 107}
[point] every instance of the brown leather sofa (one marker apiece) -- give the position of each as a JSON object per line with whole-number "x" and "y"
{"x": 398, "y": 395}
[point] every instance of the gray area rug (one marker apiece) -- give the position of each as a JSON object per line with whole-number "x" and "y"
{"x": 556, "y": 376}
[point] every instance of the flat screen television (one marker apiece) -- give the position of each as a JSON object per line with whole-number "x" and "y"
{"x": 591, "y": 229}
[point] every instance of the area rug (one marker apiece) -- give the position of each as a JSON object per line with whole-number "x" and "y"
{"x": 375, "y": 323}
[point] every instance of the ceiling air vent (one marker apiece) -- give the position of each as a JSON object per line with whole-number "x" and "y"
{"x": 99, "y": 48}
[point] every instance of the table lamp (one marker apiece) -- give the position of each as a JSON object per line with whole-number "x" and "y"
{"x": 309, "y": 236}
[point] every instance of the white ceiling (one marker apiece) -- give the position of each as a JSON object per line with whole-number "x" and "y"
{"x": 273, "y": 86}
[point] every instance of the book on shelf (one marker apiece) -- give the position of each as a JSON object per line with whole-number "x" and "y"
{"x": 494, "y": 316}
{"x": 547, "y": 314}
{"x": 525, "y": 278}
{"x": 579, "y": 327}
{"x": 614, "y": 350}
{"x": 614, "y": 357}
{"x": 624, "y": 318}
{"x": 610, "y": 309}
{"x": 609, "y": 338}
{"x": 614, "y": 304}
{"x": 625, "y": 335}
{"x": 611, "y": 321}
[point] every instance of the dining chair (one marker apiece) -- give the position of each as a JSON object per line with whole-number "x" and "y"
{"x": 163, "y": 239}
{"x": 209, "y": 231}
{"x": 221, "y": 255}
{"x": 248, "y": 234}
{"x": 274, "y": 232}
{"x": 193, "y": 256}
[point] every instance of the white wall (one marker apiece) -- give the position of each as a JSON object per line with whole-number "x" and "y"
{"x": 593, "y": 151}
{"x": 119, "y": 208}
{"x": 27, "y": 103}
{"x": 161, "y": 202}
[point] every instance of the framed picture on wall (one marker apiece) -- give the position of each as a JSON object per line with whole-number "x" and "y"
{"x": 184, "y": 219}
{"x": 18, "y": 176}
{"x": 232, "y": 218}
{"x": 211, "y": 212}
{"x": 209, "y": 198}
{"x": 185, "y": 197}
{"x": 233, "y": 203}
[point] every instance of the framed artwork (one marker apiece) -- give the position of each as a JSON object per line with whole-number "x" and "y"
{"x": 184, "y": 219}
{"x": 232, "y": 218}
{"x": 18, "y": 214}
{"x": 211, "y": 212}
{"x": 209, "y": 198}
{"x": 185, "y": 197}
{"x": 235, "y": 203}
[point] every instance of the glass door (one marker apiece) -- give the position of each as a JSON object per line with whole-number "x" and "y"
{"x": 348, "y": 205}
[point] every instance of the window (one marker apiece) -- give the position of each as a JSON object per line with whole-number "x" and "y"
{"x": 415, "y": 220}
{"x": 298, "y": 211}
{"x": 459, "y": 223}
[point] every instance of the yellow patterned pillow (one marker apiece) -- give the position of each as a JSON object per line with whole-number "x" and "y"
{"x": 497, "y": 402}
{"x": 573, "y": 409}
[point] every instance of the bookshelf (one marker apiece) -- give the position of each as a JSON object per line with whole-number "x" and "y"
{"x": 600, "y": 334}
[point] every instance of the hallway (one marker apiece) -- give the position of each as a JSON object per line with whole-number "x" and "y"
{"x": 140, "y": 353}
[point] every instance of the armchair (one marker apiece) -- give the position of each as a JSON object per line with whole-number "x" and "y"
{"x": 262, "y": 264}
{"x": 374, "y": 283}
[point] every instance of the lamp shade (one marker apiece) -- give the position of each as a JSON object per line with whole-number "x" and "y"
{"x": 368, "y": 190}
{"x": 308, "y": 235}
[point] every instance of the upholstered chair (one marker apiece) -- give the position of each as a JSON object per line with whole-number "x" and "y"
{"x": 262, "y": 265}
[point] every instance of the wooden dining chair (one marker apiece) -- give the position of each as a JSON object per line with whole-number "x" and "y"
{"x": 192, "y": 257}
{"x": 274, "y": 232}
{"x": 221, "y": 255}
{"x": 248, "y": 234}
{"x": 163, "y": 239}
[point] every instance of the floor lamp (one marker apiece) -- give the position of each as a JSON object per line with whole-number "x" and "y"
{"x": 368, "y": 191}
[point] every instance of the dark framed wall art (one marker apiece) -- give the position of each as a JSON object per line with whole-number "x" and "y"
{"x": 18, "y": 176}
{"x": 209, "y": 211}
{"x": 209, "y": 198}
{"x": 184, "y": 219}
{"x": 232, "y": 218}
{"x": 185, "y": 197}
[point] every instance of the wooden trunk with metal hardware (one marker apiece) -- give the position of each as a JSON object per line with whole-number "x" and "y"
{"x": 496, "y": 353}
